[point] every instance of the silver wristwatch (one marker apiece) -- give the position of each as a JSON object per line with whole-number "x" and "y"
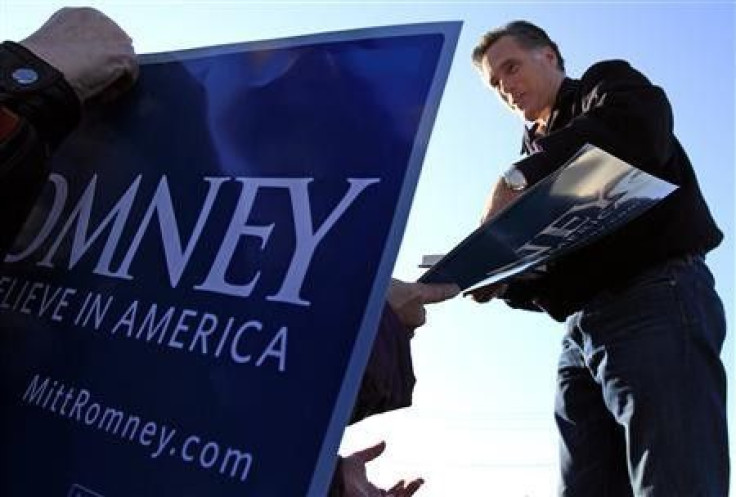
{"x": 515, "y": 179}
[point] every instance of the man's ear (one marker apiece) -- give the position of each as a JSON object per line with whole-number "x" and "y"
{"x": 549, "y": 55}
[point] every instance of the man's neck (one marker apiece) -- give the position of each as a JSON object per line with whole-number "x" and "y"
{"x": 543, "y": 120}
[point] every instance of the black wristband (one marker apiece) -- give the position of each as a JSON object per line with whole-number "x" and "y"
{"x": 38, "y": 92}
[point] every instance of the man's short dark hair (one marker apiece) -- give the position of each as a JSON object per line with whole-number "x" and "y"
{"x": 525, "y": 33}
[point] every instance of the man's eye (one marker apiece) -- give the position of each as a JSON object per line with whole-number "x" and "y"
{"x": 513, "y": 68}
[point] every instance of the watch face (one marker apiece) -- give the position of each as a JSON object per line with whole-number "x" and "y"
{"x": 515, "y": 179}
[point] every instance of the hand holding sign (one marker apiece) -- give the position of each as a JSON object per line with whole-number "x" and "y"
{"x": 95, "y": 55}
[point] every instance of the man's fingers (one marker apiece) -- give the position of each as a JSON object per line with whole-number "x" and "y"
{"x": 485, "y": 293}
{"x": 480, "y": 295}
{"x": 401, "y": 489}
{"x": 124, "y": 78}
{"x": 437, "y": 292}
{"x": 417, "y": 317}
{"x": 412, "y": 487}
{"x": 397, "y": 487}
{"x": 369, "y": 454}
{"x": 89, "y": 49}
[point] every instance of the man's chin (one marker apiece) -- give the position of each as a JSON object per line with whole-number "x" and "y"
{"x": 530, "y": 115}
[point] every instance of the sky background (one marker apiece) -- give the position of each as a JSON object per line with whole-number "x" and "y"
{"x": 482, "y": 421}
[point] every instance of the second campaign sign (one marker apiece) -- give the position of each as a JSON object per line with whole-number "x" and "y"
{"x": 189, "y": 308}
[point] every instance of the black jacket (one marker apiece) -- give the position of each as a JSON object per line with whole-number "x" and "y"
{"x": 618, "y": 109}
{"x": 47, "y": 110}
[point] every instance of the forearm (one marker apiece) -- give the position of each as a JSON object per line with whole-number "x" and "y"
{"x": 388, "y": 381}
{"x": 337, "y": 485}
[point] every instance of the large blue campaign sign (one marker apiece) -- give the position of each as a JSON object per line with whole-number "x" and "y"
{"x": 189, "y": 309}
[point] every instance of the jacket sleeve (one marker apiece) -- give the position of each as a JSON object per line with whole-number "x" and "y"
{"x": 388, "y": 381}
{"x": 36, "y": 117}
{"x": 337, "y": 485}
{"x": 620, "y": 111}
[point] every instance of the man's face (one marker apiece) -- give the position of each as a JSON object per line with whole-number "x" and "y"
{"x": 526, "y": 79}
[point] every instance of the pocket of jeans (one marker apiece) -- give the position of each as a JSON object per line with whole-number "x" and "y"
{"x": 700, "y": 304}
{"x": 648, "y": 305}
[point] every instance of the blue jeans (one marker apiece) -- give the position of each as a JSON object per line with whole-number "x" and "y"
{"x": 641, "y": 390}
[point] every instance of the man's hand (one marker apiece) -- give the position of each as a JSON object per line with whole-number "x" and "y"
{"x": 483, "y": 294}
{"x": 500, "y": 197}
{"x": 408, "y": 299}
{"x": 95, "y": 56}
{"x": 356, "y": 482}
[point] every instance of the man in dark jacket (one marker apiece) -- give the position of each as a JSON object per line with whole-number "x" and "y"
{"x": 641, "y": 389}
{"x": 79, "y": 57}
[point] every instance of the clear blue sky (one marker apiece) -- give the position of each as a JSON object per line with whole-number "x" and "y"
{"x": 482, "y": 423}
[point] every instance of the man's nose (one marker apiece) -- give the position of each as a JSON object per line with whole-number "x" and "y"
{"x": 508, "y": 86}
{"x": 506, "y": 91}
